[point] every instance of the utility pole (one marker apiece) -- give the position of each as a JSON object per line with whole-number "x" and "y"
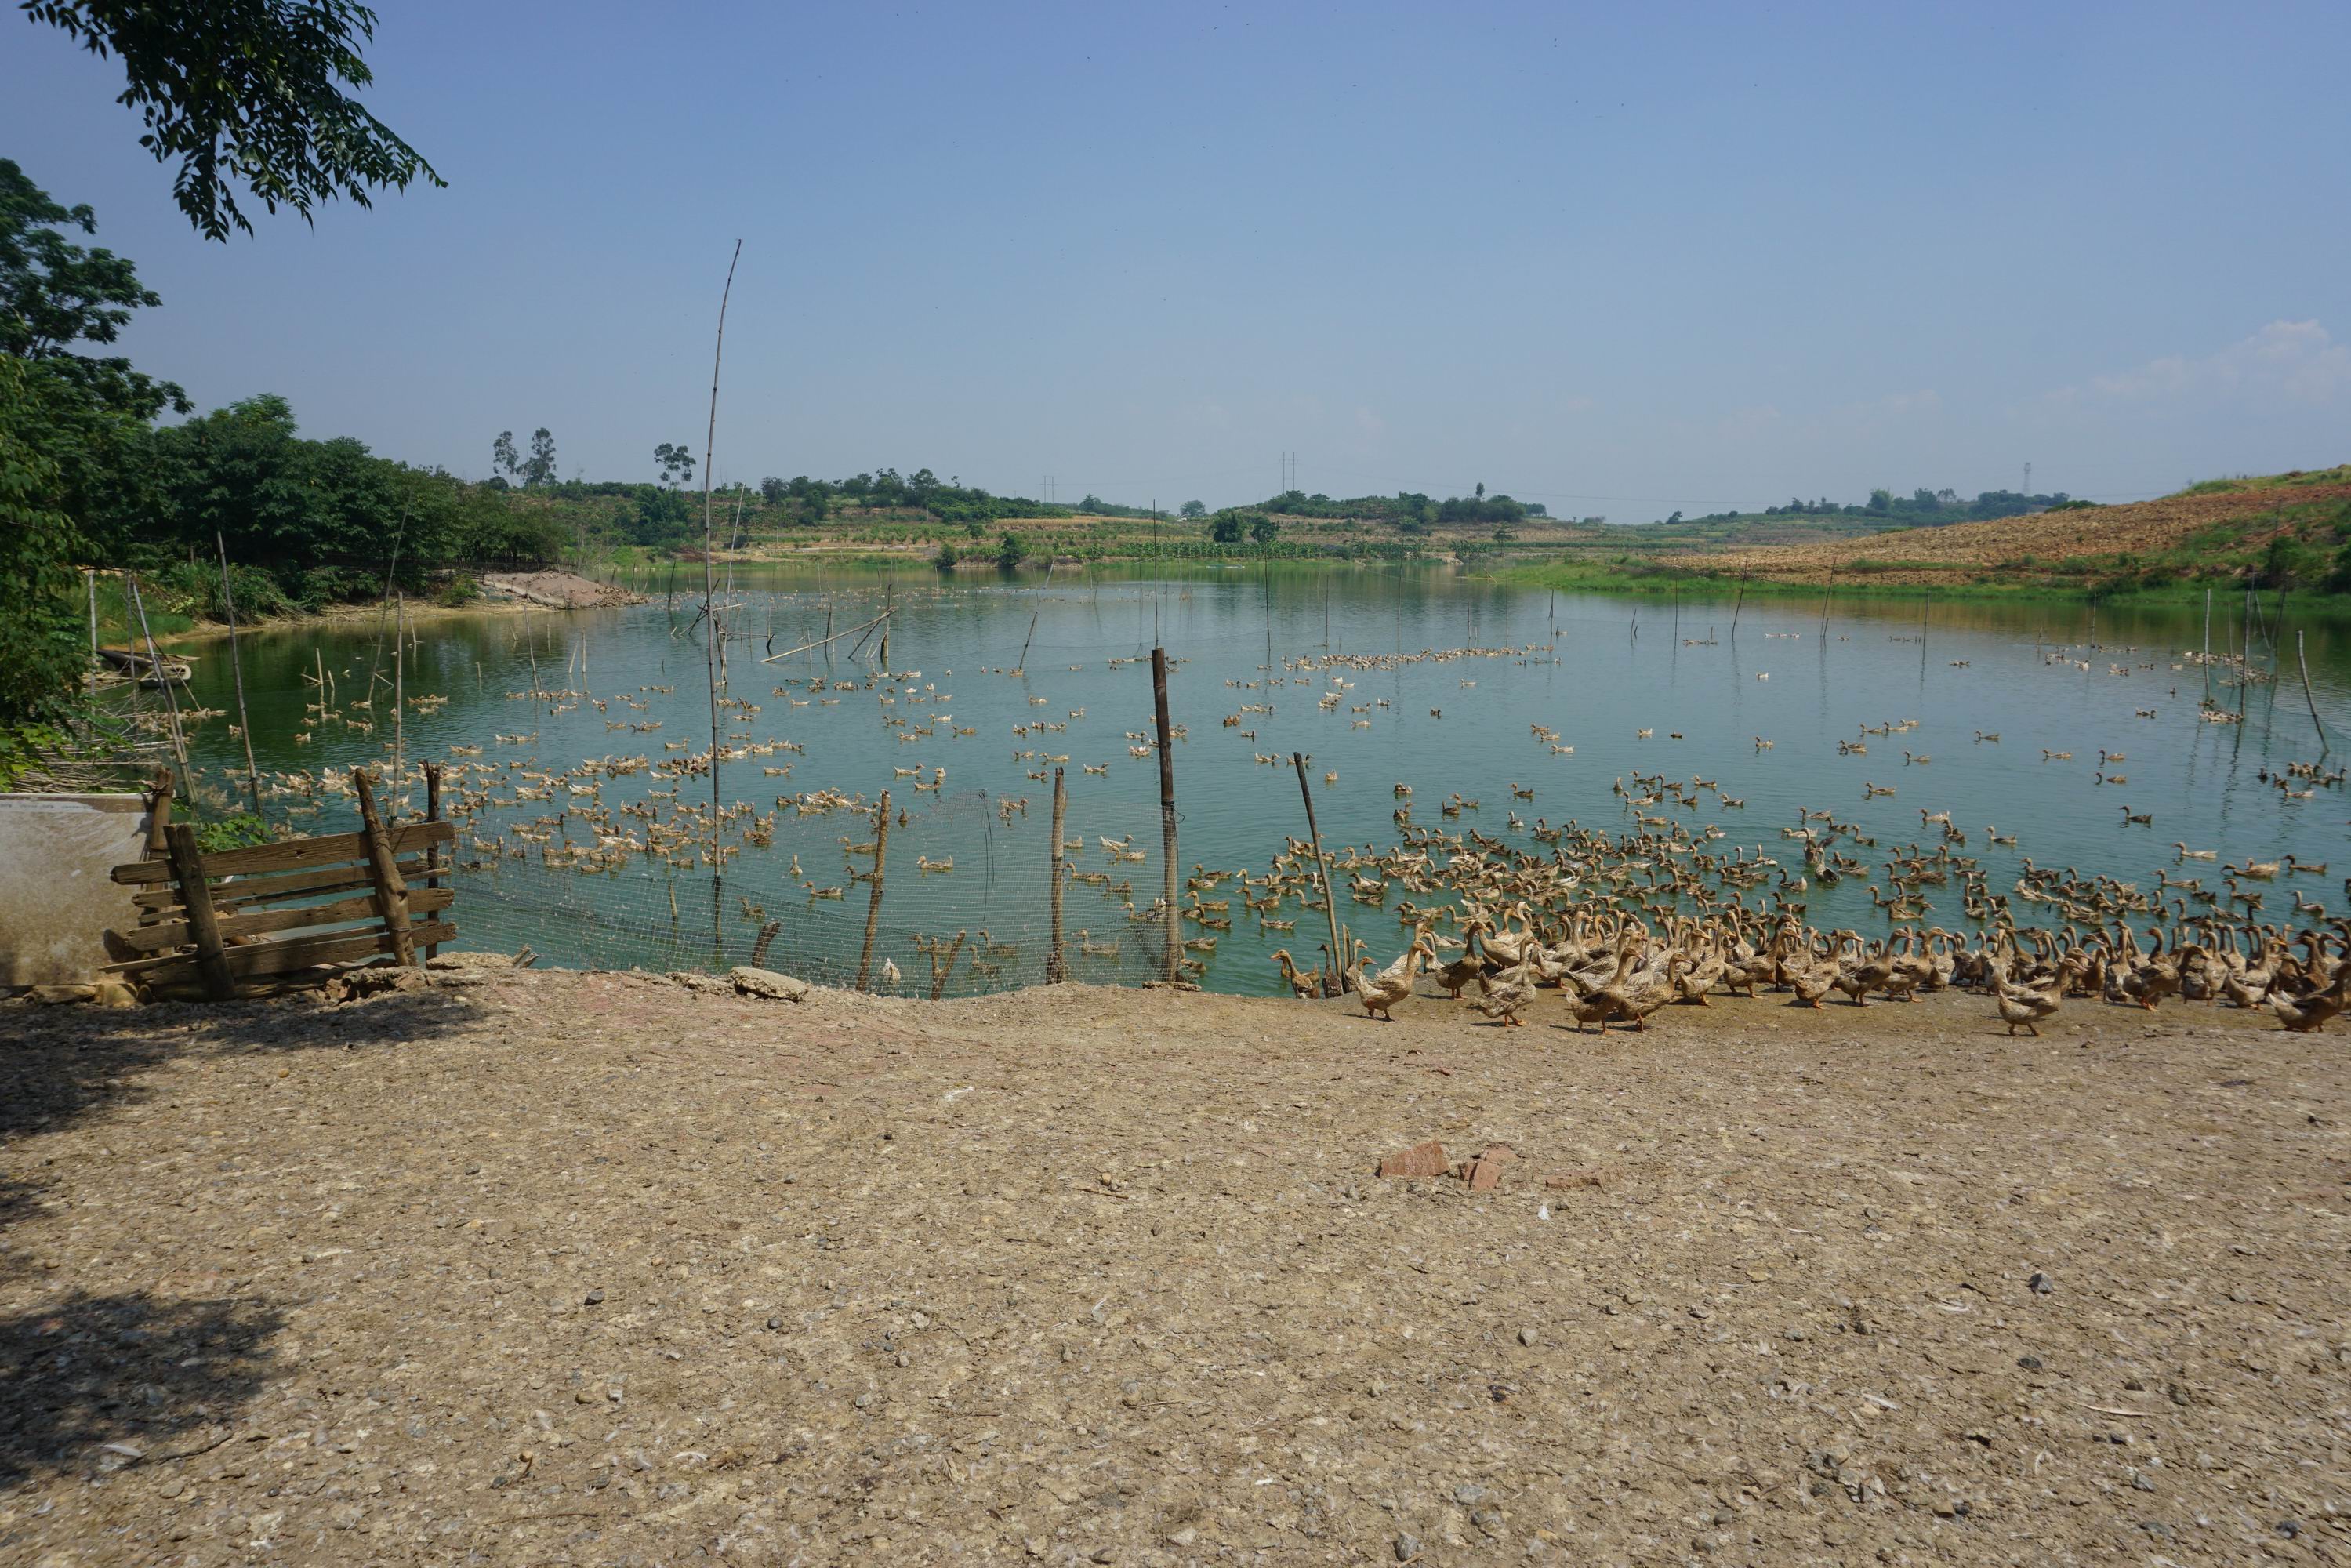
{"x": 2028, "y": 479}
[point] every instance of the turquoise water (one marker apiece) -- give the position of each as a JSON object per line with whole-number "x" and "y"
{"x": 1495, "y": 661}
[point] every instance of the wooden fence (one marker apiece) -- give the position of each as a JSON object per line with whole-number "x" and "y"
{"x": 241, "y": 917}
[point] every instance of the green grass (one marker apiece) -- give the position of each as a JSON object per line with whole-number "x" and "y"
{"x": 2339, "y": 475}
{"x": 1658, "y": 581}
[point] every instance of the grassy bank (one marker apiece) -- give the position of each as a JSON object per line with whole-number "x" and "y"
{"x": 1662, "y": 582}
{"x": 1659, "y": 579}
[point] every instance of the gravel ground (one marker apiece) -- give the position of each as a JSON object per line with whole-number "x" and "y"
{"x": 564, "y": 1268}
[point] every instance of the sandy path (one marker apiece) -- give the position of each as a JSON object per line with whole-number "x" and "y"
{"x": 590, "y": 1268}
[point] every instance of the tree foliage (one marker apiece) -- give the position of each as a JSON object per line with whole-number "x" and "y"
{"x": 247, "y": 93}
{"x": 40, "y": 652}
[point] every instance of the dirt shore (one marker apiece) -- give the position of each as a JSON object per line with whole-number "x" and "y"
{"x": 600, "y": 1269}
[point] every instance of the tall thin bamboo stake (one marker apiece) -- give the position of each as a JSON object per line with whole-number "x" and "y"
{"x": 2208, "y": 646}
{"x": 1057, "y": 963}
{"x": 90, "y": 576}
{"x": 236, "y": 668}
{"x": 874, "y": 905}
{"x": 861, "y": 626}
{"x": 2302, "y": 659}
{"x": 1740, "y": 603}
{"x": 1175, "y": 933}
{"x": 1022, "y": 667}
{"x": 398, "y": 694}
{"x": 433, "y": 814}
{"x": 1334, "y": 982}
{"x": 170, "y": 699}
{"x": 1826, "y": 589}
{"x": 709, "y": 574}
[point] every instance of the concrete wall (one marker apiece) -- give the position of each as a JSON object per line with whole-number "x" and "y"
{"x": 57, "y": 854}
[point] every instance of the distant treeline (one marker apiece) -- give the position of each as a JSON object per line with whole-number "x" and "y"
{"x": 323, "y": 520}
{"x": 1921, "y": 508}
{"x": 1407, "y": 509}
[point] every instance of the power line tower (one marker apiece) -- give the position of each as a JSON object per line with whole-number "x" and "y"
{"x": 1288, "y": 472}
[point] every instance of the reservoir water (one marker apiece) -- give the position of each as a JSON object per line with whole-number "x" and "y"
{"x": 1454, "y": 685}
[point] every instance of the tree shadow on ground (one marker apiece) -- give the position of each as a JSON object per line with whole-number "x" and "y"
{"x": 61, "y": 1063}
{"x": 157, "y": 1380}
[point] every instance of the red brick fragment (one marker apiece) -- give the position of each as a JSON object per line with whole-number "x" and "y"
{"x": 1482, "y": 1174}
{"x": 1420, "y": 1160}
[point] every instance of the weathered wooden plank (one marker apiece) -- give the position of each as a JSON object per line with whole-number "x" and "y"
{"x": 390, "y": 889}
{"x": 258, "y": 958}
{"x": 294, "y": 855}
{"x": 187, "y": 864}
{"x": 265, "y": 889}
{"x": 259, "y": 922}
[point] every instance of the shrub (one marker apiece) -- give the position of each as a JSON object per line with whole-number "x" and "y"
{"x": 235, "y": 832}
{"x": 462, "y": 591}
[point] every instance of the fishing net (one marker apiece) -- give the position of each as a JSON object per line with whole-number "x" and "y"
{"x": 796, "y": 895}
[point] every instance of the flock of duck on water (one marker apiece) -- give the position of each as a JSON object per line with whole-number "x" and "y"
{"x": 1619, "y": 925}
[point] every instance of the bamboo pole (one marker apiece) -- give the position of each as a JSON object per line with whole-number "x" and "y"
{"x": 383, "y": 870}
{"x": 1022, "y": 668}
{"x": 1739, "y": 603}
{"x": 874, "y": 905}
{"x": 2302, "y": 659}
{"x": 709, "y": 578}
{"x": 1056, "y": 959}
{"x": 398, "y": 694}
{"x": 196, "y": 902}
{"x": 1334, "y": 983}
{"x": 1174, "y": 932}
{"x": 170, "y": 699}
{"x": 89, "y": 577}
{"x": 433, "y": 854}
{"x": 831, "y": 637}
{"x": 2207, "y": 647}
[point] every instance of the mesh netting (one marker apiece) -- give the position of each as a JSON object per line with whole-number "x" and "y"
{"x": 800, "y": 901}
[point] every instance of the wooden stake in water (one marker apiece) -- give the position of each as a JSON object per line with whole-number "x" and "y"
{"x": 399, "y": 691}
{"x": 236, "y": 668}
{"x": 1167, "y": 810}
{"x": 1334, "y": 976}
{"x": 433, "y": 814}
{"x": 874, "y": 905}
{"x": 2302, "y": 659}
{"x": 709, "y": 577}
{"x": 170, "y": 699}
{"x": 1057, "y": 964}
{"x": 1739, "y": 602}
{"x": 2208, "y": 646}
{"x": 90, "y": 576}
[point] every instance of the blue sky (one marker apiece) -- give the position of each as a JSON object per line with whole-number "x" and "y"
{"x": 1622, "y": 264}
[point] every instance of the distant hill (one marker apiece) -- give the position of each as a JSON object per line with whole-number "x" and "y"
{"x": 2283, "y": 530}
